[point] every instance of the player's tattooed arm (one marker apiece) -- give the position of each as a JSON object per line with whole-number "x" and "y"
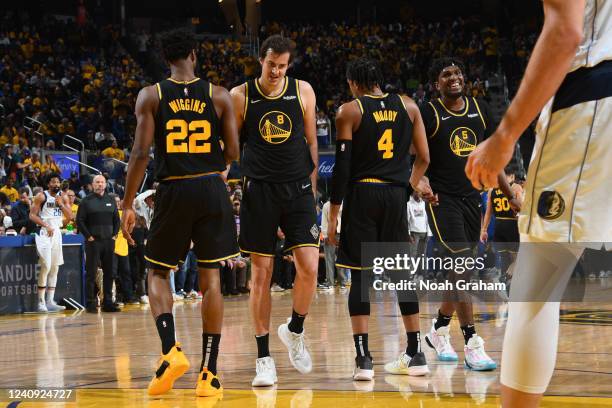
{"x": 238, "y": 95}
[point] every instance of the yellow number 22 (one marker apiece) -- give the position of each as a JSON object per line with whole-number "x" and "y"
{"x": 197, "y": 131}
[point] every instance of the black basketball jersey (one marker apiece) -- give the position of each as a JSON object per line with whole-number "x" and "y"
{"x": 381, "y": 144}
{"x": 501, "y": 205}
{"x": 451, "y": 137}
{"x": 187, "y": 130}
{"x": 275, "y": 148}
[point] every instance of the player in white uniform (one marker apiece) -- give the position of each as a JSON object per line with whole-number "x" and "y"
{"x": 569, "y": 79}
{"x": 48, "y": 211}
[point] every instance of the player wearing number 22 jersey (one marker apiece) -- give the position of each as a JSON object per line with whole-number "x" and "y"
{"x": 191, "y": 124}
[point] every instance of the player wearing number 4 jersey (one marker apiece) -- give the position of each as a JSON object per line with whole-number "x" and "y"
{"x": 192, "y": 124}
{"x": 375, "y": 133}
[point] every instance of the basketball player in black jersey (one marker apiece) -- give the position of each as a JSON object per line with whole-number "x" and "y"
{"x": 455, "y": 124}
{"x": 191, "y": 123}
{"x": 276, "y": 114}
{"x": 506, "y": 236}
{"x": 371, "y": 175}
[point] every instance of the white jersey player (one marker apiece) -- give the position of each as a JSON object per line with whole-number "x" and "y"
{"x": 48, "y": 210}
{"x": 566, "y": 208}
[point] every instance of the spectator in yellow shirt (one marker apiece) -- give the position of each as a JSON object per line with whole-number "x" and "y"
{"x": 114, "y": 152}
{"x": 9, "y": 190}
{"x": 50, "y": 165}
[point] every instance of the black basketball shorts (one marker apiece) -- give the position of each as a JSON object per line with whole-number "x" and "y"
{"x": 506, "y": 236}
{"x": 266, "y": 207}
{"x": 455, "y": 222}
{"x": 371, "y": 212}
{"x": 197, "y": 210}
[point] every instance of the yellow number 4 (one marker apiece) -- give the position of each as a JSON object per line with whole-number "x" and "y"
{"x": 385, "y": 144}
{"x": 175, "y": 141}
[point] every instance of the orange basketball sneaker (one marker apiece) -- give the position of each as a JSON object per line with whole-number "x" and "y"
{"x": 171, "y": 367}
{"x": 208, "y": 384}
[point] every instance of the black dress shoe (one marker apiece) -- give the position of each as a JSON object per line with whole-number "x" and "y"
{"x": 91, "y": 309}
{"x": 110, "y": 308}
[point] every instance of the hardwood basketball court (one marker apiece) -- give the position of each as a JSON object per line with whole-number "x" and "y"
{"x": 109, "y": 358}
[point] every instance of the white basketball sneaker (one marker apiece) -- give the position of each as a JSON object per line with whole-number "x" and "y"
{"x": 42, "y": 307}
{"x": 265, "y": 370}
{"x": 54, "y": 307}
{"x": 295, "y": 343}
{"x": 405, "y": 365}
{"x": 475, "y": 356}
{"x": 364, "y": 368}
{"x": 439, "y": 340}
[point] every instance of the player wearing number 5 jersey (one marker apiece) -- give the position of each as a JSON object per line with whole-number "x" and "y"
{"x": 192, "y": 125}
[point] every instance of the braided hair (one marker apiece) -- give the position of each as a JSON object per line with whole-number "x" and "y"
{"x": 366, "y": 73}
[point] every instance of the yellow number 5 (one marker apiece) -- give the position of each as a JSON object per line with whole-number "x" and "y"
{"x": 175, "y": 140}
{"x": 385, "y": 144}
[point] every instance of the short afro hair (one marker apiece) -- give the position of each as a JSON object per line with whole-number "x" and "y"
{"x": 439, "y": 64}
{"x": 51, "y": 176}
{"x": 278, "y": 45}
{"x": 365, "y": 72}
{"x": 177, "y": 44}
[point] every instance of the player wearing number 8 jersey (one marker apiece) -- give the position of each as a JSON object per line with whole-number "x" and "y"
{"x": 277, "y": 117}
{"x": 192, "y": 125}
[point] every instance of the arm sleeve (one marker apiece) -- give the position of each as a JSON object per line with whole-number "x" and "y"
{"x": 342, "y": 170}
{"x": 81, "y": 218}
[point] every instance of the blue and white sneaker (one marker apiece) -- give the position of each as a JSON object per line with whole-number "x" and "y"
{"x": 475, "y": 356}
{"x": 439, "y": 340}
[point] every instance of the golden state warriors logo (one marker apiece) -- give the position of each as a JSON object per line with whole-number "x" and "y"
{"x": 463, "y": 141}
{"x": 275, "y": 127}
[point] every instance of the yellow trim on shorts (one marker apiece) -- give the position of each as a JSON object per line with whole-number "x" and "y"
{"x": 219, "y": 259}
{"x": 257, "y": 253}
{"x": 189, "y": 176}
{"x": 479, "y": 113}
{"x": 433, "y": 217}
{"x": 507, "y": 218}
{"x": 297, "y": 84}
{"x": 300, "y": 245}
{"x": 158, "y": 90}
{"x": 437, "y": 120}
{"x": 359, "y": 268}
{"x": 373, "y": 180}
{"x": 360, "y": 105}
{"x": 160, "y": 263}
